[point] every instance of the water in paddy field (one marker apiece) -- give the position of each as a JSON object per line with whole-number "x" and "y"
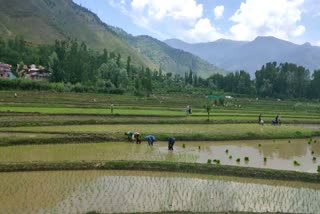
{"x": 121, "y": 191}
{"x": 280, "y": 154}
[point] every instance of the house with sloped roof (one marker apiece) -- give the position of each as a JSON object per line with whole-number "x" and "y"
{"x": 5, "y": 71}
{"x": 33, "y": 72}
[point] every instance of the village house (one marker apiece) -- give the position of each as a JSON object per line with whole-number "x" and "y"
{"x": 33, "y": 72}
{"x": 5, "y": 71}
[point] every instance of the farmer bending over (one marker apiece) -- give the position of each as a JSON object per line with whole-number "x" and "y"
{"x": 137, "y": 138}
{"x": 151, "y": 139}
{"x": 171, "y": 142}
{"x": 130, "y": 136}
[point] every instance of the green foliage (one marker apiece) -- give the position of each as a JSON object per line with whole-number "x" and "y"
{"x": 238, "y": 160}
{"x": 265, "y": 159}
{"x": 285, "y": 80}
{"x": 314, "y": 158}
{"x": 209, "y": 161}
{"x": 184, "y": 146}
{"x": 246, "y": 159}
{"x": 208, "y": 108}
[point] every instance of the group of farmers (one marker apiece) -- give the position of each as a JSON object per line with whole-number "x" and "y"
{"x": 276, "y": 121}
{"x": 136, "y": 137}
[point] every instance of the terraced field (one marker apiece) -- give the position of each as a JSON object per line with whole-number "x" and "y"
{"x": 43, "y": 130}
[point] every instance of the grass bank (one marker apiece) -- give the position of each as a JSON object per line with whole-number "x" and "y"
{"x": 186, "y": 132}
{"x": 209, "y": 169}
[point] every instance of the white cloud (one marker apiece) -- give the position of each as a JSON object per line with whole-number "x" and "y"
{"x": 188, "y": 10}
{"x": 279, "y": 18}
{"x": 218, "y": 11}
{"x": 203, "y": 31}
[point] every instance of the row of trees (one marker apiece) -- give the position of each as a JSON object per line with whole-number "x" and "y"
{"x": 74, "y": 63}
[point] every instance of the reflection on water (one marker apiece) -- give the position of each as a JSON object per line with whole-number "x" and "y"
{"x": 280, "y": 154}
{"x": 115, "y": 191}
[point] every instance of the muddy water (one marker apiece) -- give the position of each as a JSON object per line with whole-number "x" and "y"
{"x": 280, "y": 154}
{"x": 115, "y": 191}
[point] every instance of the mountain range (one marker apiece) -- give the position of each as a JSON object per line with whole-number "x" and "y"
{"x": 251, "y": 56}
{"x": 44, "y": 21}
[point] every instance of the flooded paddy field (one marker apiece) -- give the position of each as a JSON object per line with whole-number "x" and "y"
{"x": 123, "y": 192}
{"x": 279, "y": 154}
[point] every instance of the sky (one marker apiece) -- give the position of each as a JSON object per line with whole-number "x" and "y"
{"x": 197, "y": 21}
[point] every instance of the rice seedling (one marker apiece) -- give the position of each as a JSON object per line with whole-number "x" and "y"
{"x": 216, "y": 161}
{"x": 230, "y": 157}
{"x": 314, "y": 158}
{"x": 227, "y": 151}
{"x": 296, "y": 163}
{"x": 209, "y": 161}
{"x": 184, "y": 146}
{"x": 246, "y": 159}
{"x": 265, "y": 159}
{"x": 238, "y": 160}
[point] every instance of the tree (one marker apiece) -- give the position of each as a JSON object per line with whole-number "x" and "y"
{"x": 208, "y": 108}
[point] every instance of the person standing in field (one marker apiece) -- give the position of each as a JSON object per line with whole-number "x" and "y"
{"x": 151, "y": 139}
{"x": 260, "y": 121}
{"x": 171, "y": 142}
{"x": 111, "y": 108}
{"x": 188, "y": 110}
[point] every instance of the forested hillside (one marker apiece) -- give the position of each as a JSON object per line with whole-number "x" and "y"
{"x": 44, "y": 21}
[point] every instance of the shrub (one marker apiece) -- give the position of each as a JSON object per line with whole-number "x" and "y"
{"x": 117, "y": 91}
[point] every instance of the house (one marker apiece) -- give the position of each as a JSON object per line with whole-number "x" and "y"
{"x": 5, "y": 71}
{"x": 33, "y": 72}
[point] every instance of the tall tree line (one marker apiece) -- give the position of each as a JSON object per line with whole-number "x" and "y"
{"x": 107, "y": 71}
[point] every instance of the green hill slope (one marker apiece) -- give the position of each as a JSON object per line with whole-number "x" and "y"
{"x": 44, "y": 21}
{"x": 169, "y": 58}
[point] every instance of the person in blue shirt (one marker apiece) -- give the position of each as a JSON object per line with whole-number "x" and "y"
{"x": 151, "y": 139}
{"x": 171, "y": 142}
{"x": 130, "y": 135}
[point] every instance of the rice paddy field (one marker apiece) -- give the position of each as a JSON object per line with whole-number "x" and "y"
{"x": 47, "y": 127}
